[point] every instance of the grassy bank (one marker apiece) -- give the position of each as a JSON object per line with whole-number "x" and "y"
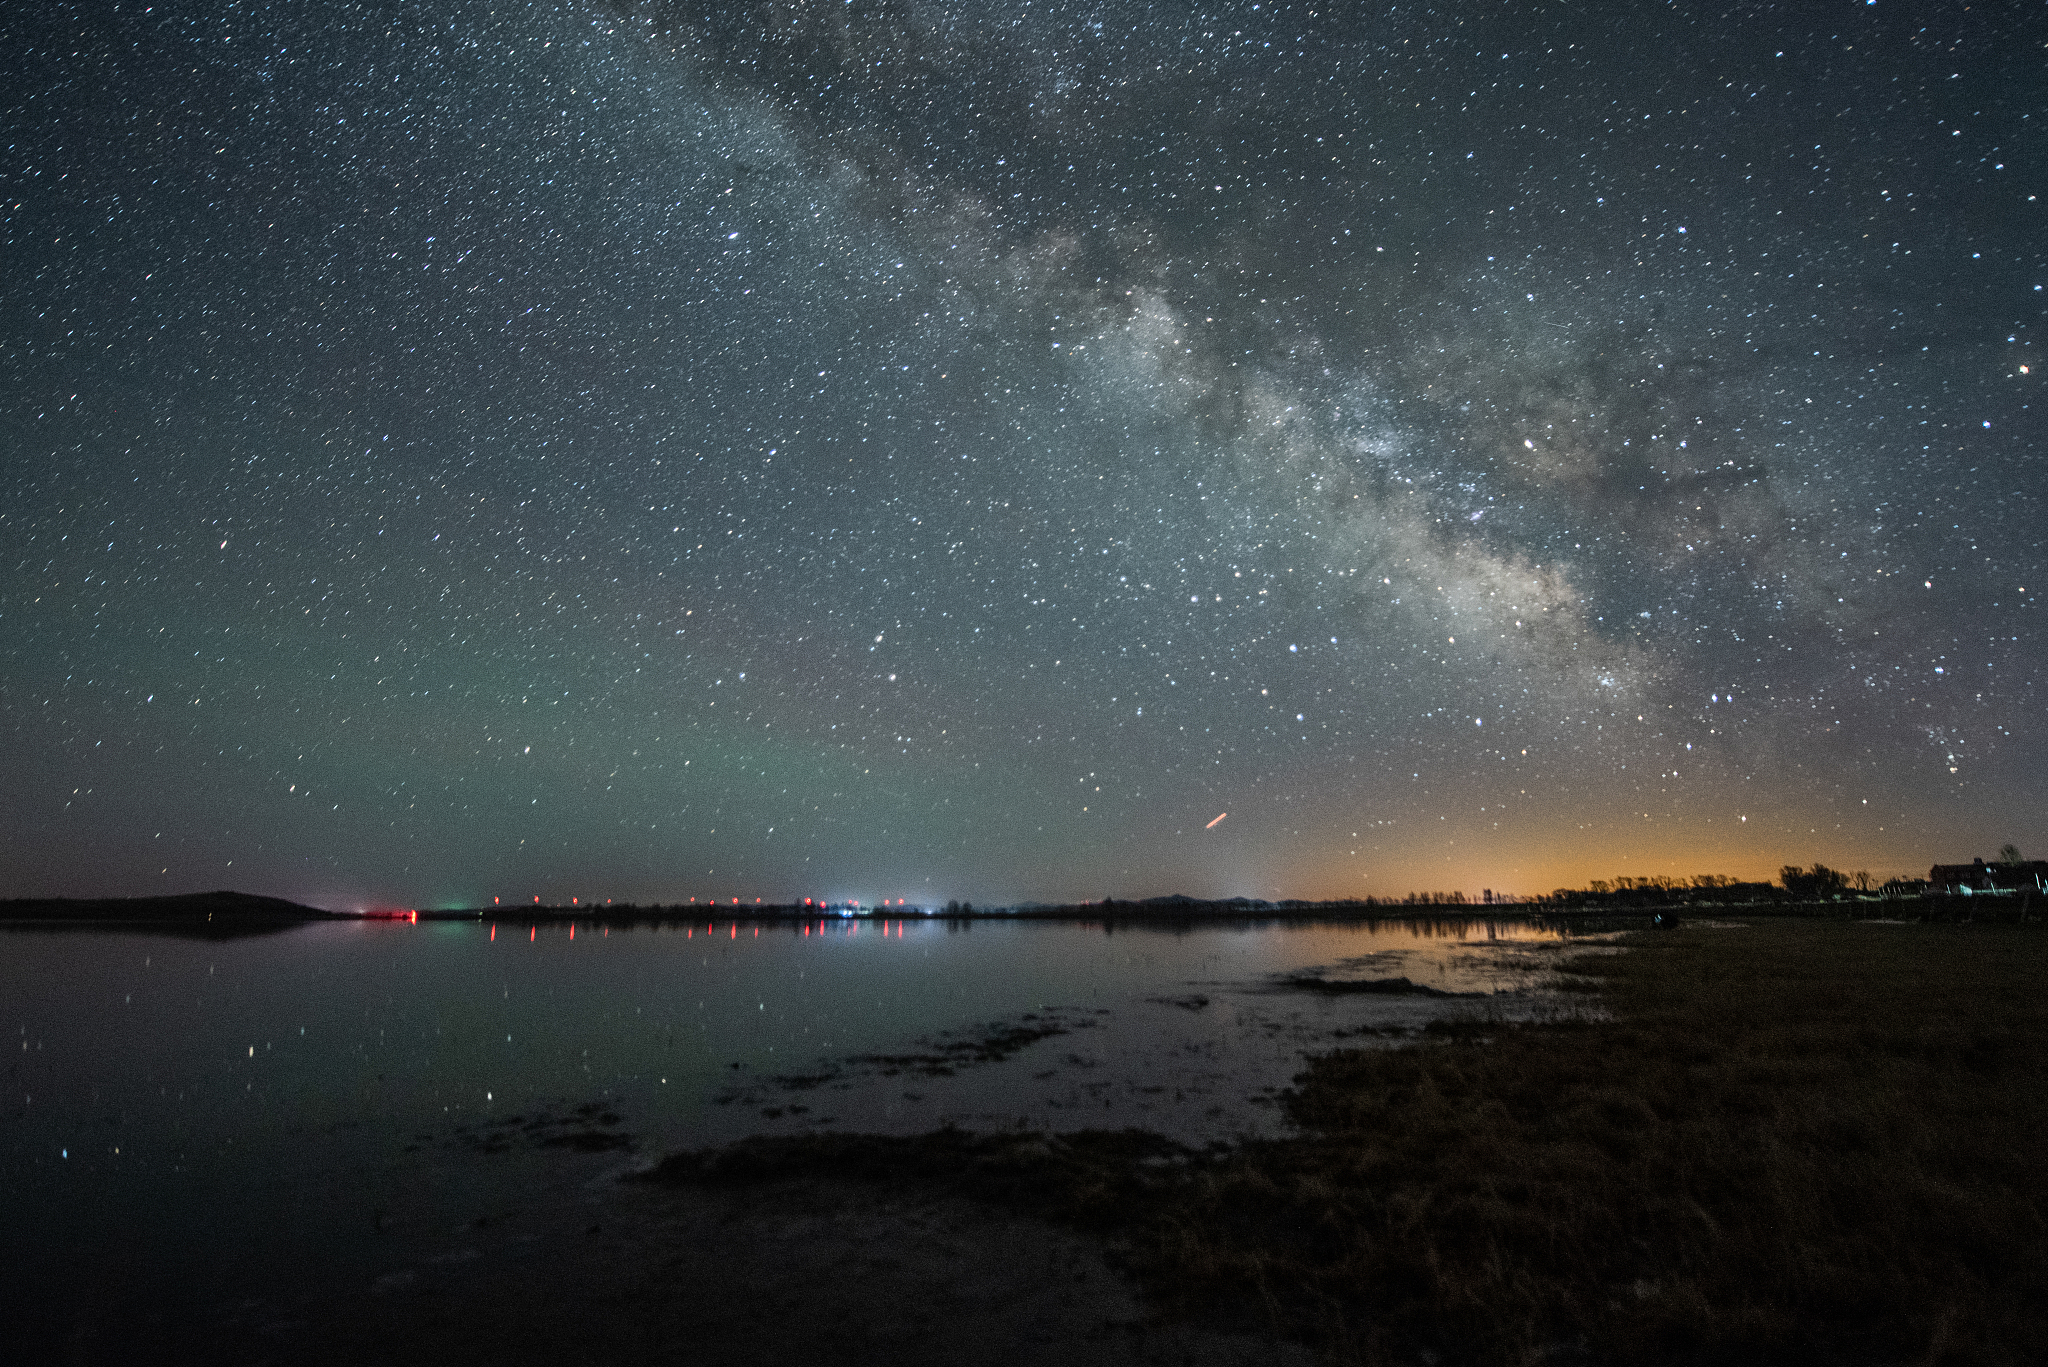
{"x": 1794, "y": 1142}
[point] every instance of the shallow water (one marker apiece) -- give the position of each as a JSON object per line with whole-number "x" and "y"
{"x": 220, "y": 1109}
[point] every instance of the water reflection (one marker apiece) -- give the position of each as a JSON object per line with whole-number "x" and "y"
{"x": 425, "y": 1070}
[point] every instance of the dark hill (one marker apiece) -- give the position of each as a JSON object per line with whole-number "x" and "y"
{"x": 192, "y": 912}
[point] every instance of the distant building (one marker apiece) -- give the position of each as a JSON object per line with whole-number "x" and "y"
{"x": 1980, "y": 879}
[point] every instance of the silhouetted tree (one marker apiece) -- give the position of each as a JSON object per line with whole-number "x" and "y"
{"x": 2009, "y": 854}
{"x": 1818, "y": 881}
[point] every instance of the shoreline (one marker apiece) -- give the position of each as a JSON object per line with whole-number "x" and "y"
{"x": 227, "y": 909}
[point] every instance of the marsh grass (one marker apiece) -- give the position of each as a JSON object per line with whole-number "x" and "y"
{"x": 1790, "y": 1142}
{"x": 1793, "y": 1142}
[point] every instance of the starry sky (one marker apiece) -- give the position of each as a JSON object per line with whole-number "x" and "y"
{"x": 904, "y": 449}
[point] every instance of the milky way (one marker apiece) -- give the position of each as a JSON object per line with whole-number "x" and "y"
{"x": 861, "y": 450}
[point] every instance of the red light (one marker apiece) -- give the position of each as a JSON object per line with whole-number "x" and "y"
{"x": 494, "y": 932}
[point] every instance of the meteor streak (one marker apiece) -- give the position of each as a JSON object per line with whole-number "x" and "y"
{"x": 1212, "y": 825}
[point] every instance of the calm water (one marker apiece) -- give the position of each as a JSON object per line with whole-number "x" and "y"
{"x": 212, "y": 1111}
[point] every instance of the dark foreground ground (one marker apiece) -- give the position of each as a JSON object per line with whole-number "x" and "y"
{"x": 808, "y": 1270}
{"x": 1782, "y": 1142}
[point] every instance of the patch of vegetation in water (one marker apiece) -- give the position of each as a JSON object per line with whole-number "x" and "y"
{"x": 1377, "y": 987}
{"x": 588, "y": 1128}
{"x": 941, "y": 1055}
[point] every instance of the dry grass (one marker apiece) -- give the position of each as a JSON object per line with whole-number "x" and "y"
{"x": 1795, "y": 1142}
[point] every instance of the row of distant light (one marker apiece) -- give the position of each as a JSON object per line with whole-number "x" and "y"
{"x": 690, "y": 932}
{"x": 711, "y": 902}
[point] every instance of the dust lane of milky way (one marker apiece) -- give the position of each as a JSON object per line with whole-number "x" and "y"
{"x": 889, "y": 449}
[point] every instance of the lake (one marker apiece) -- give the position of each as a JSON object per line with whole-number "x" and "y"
{"x": 197, "y": 1119}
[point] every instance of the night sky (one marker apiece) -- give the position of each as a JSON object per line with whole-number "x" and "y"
{"x": 460, "y": 450}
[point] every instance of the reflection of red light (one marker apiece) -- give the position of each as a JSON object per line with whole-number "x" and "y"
{"x": 735, "y": 930}
{"x": 494, "y": 932}
{"x": 531, "y": 931}
{"x": 807, "y": 927}
{"x": 572, "y": 930}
